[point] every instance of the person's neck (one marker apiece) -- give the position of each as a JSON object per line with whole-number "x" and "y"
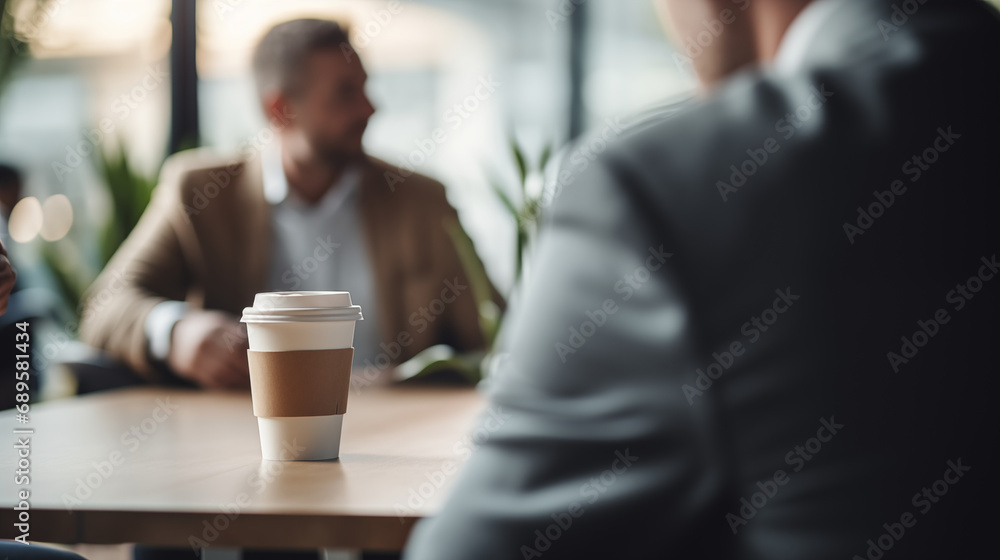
{"x": 771, "y": 23}
{"x": 310, "y": 176}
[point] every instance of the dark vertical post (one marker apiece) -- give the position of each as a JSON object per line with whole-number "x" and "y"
{"x": 184, "y": 129}
{"x": 577, "y": 69}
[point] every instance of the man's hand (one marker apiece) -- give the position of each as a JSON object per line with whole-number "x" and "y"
{"x": 210, "y": 348}
{"x": 7, "y": 278}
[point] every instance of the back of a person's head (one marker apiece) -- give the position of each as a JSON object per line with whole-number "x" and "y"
{"x": 283, "y": 51}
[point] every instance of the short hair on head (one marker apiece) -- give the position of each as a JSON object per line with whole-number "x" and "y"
{"x": 282, "y": 53}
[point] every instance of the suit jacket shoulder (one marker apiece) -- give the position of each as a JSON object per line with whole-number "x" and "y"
{"x": 407, "y": 184}
{"x": 195, "y": 177}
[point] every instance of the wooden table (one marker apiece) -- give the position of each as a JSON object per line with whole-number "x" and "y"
{"x": 165, "y": 466}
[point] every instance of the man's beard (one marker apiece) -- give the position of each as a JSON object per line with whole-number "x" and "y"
{"x": 347, "y": 149}
{"x": 340, "y": 154}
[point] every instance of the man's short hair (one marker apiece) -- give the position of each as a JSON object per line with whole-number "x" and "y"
{"x": 281, "y": 55}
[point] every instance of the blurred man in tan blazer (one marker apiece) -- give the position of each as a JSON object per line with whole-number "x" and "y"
{"x": 307, "y": 211}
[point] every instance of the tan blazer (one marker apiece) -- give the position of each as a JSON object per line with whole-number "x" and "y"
{"x": 206, "y": 239}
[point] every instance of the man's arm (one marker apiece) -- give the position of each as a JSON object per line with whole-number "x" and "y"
{"x": 147, "y": 270}
{"x": 134, "y": 310}
{"x": 463, "y": 314}
{"x": 589, "y": 432}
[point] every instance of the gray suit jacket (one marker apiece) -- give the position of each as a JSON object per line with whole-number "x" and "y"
{"x": 811, "y": 372}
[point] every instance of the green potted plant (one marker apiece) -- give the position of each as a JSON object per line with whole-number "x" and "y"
{"x": 525, "y": 209}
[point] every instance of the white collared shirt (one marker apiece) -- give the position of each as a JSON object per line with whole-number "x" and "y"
{"x": 322, "y": 246}
{"x": 800, "y": 34}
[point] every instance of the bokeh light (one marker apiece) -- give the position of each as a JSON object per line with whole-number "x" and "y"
{"x": 57, "y": 217}
{"x": 25, "y": 219}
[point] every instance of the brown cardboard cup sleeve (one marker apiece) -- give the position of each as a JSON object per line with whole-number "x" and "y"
{"x": 300, "y": 382}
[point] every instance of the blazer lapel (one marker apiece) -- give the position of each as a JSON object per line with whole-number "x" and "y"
{"x": 376, "y": 223}
{"x": 254, "y": 220}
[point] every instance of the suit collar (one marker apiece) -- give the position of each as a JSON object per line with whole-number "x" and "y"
{"x": 275, "y": 183}
{"x": 255, "y": 224}
{"x": 801, "y": 33}
{"x": 379, "y": 220}
{"x": 827, "y": 32}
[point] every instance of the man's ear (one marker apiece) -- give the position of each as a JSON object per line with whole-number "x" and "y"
{"x": 277, "y": 108}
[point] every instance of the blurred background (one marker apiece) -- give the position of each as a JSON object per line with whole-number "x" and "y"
{"x": 95, "y": 94}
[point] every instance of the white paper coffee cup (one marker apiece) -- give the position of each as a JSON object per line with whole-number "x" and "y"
{"x": 293, "y": 322}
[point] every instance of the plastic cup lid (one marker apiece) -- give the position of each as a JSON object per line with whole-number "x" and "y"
{"x": 285, "y": 307}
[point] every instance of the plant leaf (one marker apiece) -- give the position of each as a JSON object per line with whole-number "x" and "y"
{"x": 543, "y": 161}
{"x": 130, "y": 193}
{"x": 522, "y": 165}
{"x": 505, "y": 199}
{"x": 66, "y": 277}
{"x": 522, "y": 243}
